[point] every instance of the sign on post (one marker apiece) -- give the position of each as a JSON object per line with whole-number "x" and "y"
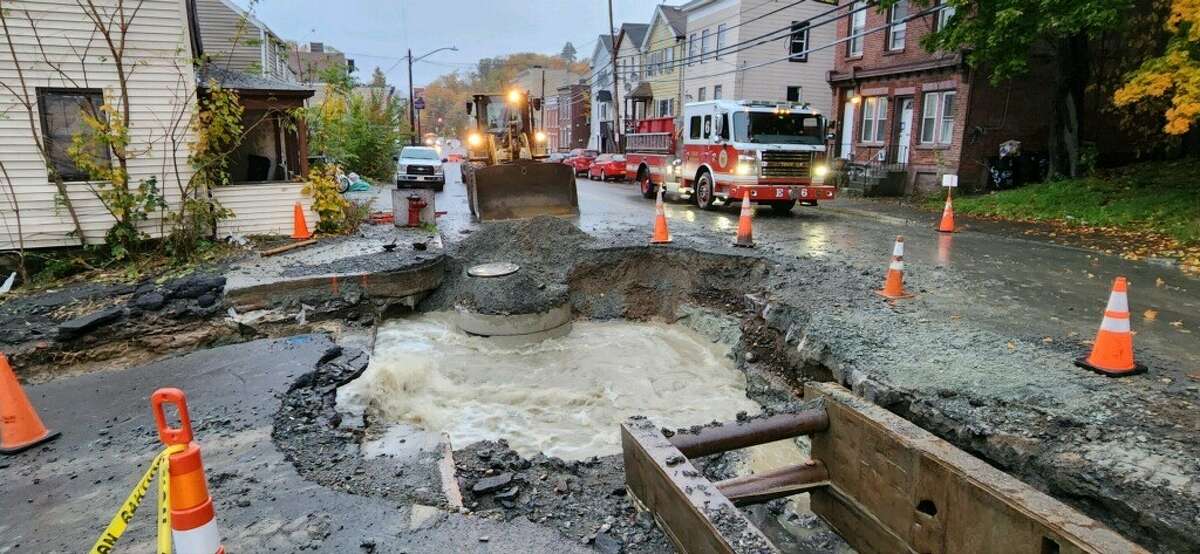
{"x": 419, "y": 103}
{"x": 950, "y": 181}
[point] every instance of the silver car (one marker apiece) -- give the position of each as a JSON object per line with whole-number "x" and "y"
{"x": 420, "y": 167}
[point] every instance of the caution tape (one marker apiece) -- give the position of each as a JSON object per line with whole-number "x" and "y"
{"x": 107, "y": 542}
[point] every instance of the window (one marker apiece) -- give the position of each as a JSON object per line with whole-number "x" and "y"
{"x": 724, "y": 126}
{"x": 603, "y": 111}
{"x": 694, "y": 127}
{"x": 874, "y": 118}
{"x": 704, "y": 48}
{"x": 798, "y": 45}
{"x": 898, "y": 26}
{"x": 858, "y": 23}
{"x": 944, "y": 15}
{"x": 693, "y": 49}
{"x": 721, "y": 32}
{"x": 794, "y": 93}
{"x": 701, "y": 95}
{"x": 670, "y": 64}
{"x": 717, "y": 92}
{"x": 62, "y": 119}
{"x": 665, "y": 107}
{"x": 707, "y": 126}
{"x": 937, "y": 117}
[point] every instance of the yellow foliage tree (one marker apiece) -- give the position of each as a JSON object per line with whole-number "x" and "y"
{"x": 1175, "y": 74}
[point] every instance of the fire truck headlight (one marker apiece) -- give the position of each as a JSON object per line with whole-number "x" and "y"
{"x": 539, "y": 136}
{"x": 475, "y": 139}
{"x": 820, "y": 170}
{"x": 743, "y": 169}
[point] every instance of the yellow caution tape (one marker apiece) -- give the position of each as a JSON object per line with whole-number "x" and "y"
{"x": 107, "y": 542}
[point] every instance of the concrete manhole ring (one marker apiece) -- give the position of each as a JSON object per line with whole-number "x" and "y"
{"x": 495, "y": 269}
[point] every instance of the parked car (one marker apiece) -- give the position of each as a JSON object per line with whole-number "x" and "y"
{"x": 555, "y": 158}
{"x": 580, "y": 160}
{"x": 607, "y": 166}
{"x": 420, "y": 167}
{"x": 454, "y": 157}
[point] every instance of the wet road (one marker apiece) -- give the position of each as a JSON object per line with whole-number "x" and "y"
{"x": 1021, "y": 288}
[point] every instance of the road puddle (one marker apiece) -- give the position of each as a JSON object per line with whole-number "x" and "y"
{"x": 563, "y": 397}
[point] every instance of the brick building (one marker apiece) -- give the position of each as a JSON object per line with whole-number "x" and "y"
{"x": 905, "y": 116}
{"x": 574, "y": 116}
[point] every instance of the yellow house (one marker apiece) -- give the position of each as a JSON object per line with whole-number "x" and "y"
{"x": 662, "y": 61}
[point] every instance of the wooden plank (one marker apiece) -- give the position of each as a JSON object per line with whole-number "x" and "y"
{"x": 683, "y": 502}
{"x": 895, "y": 487}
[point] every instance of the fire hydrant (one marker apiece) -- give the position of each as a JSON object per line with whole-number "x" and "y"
{"x": 415, "y": 205}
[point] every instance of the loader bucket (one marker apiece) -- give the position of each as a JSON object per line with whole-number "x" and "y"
{"x": 522, "y": 189}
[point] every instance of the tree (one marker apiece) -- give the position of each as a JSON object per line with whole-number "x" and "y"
{"x": 378, "y": 79}
{"x": 1002, "y": 36}
{"x": 568, "y": 52}
{"x": 1174, "y": 74}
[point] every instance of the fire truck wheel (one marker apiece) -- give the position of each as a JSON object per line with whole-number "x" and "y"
{"x": 704, "y": 191}
{"x": 647, "y": 187}
{"x": 782, "y": 208}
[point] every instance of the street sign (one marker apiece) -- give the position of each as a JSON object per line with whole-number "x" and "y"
{"x": 950, "y": 181}
{"x": 419, "y": 103}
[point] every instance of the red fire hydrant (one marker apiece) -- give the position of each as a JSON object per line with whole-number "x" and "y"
{"x": 415, "y": 205}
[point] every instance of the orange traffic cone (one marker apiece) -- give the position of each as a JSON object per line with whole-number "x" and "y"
{"x": 893, "y": 286}
{"x": 299, "y": 225}
{"x": 947, "y": 224}
{"x": 193, "y": 521}
{"x": 661, "y": 234}
{"x": 745, "y": 232}
{"x": 20, "y": 426}
{"x": 1112, "y": 353}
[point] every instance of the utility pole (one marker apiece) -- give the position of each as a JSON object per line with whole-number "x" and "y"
{"x": 412, "y": 109}
{"x": 612, "y": 39}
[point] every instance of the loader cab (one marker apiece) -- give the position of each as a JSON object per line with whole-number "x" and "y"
{"x": 503, "y": 128}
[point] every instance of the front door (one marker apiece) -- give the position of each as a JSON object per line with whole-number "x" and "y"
{"x": 847, "y": 150}
{"x": 904, "y": 132}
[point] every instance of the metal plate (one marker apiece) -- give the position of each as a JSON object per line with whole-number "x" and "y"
{"x": 496, "y": 269}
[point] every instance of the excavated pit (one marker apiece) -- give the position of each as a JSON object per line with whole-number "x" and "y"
{"x": 727, "y": 298}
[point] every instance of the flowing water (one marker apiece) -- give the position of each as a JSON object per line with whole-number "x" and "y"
{"x": 564, "y": 397}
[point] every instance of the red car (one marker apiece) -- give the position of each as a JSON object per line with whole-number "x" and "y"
{"x": 580, "y": 160}
{"x": 607, "y": 166}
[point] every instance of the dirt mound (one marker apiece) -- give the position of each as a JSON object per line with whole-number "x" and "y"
{"x": 544, "y": 243}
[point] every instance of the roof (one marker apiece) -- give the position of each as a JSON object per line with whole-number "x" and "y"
{"x": 236, "y": 80}
{"x": 635, "y": 31}
{"x": 606, "y": 41}
{"x": 675, "y": 19}
{"x": 642, "y": 90}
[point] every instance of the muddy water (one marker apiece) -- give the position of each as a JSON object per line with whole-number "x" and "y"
{"x": 564, "y": 397}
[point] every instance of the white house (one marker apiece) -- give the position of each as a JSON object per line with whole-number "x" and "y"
{"x": 47, "y": 89}
{"x": 236, "y": 40}
{"x": 602, "y": 138}
{"x": 718, "y": 66}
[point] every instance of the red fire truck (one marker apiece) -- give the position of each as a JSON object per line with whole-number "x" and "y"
{"x": 774, "y": 150}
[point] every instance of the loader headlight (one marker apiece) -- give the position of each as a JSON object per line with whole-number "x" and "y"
{"x": 539, "y": 136}
{"x": 514, "y": 96}
{"x": 820, "y": 170}
{"x": 474, "y": 139}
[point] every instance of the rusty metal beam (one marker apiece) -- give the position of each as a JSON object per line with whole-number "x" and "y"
{"x": 687, "y": 507}
{"x": 777, "y": 483}
{"x": 741, "y": 434}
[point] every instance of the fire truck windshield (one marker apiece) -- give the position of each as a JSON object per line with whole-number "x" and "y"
{"x": 774, "y": 128}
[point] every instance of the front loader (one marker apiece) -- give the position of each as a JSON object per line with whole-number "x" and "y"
{"x": 503, "y": 175}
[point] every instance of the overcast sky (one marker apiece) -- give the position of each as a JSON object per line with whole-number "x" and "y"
{"x": 378, "y": 32}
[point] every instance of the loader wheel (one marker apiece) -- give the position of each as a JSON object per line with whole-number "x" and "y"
{"x": 646, "y": 185}
{"x": 704, "y": 191}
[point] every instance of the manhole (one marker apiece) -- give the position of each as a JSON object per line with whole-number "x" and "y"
{"x": 496, "y": 269}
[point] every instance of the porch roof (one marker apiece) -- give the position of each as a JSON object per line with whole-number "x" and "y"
{"x": 250, "y": 84}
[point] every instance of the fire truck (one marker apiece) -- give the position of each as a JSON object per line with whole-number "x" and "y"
{"x": 776, "y": 151}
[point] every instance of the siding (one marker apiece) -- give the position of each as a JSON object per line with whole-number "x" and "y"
{"x": 664, "y": 85}
{"x": 228, "y": 40}
{"x": 708, "y": 73}
{"x": 770, "y": 82}
{"x": 262, "y": 209}
{"x": 163, "y": 84}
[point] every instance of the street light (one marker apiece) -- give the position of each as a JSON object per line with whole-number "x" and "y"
{"x": 412, "y": 110}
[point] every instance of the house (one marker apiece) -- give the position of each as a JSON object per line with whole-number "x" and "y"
{"x": 628, "y": 70}
{"x": 661, "y": 55}
{"x": 236, "y": 40}
{"x": 905, "y": 116}
{"x": 574, "y": 121}
{"x": 551, "y": 125}
{"x": 603, "y": 136}
{"x": 719, "y": 66}
{"x": 55, "y": 195}
{"x": 309, "y": 61}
